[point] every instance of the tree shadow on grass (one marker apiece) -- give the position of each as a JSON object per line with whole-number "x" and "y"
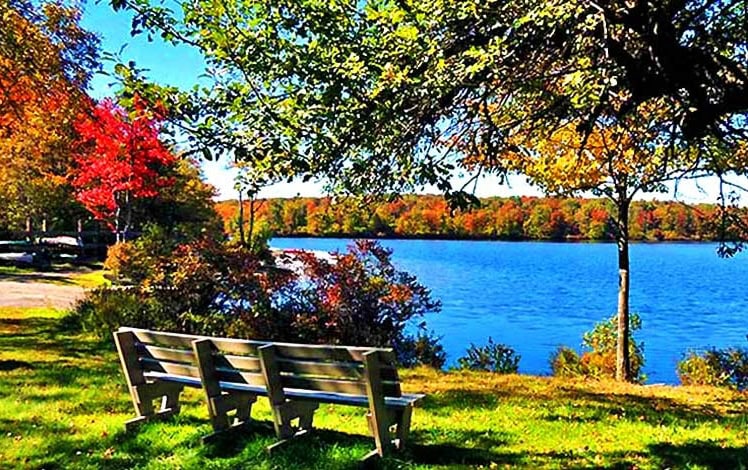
{"x": 31, "y": 278}
{"x": 704, "y": 454}
{"x": 34, "y": 334}
{"x": 471, "y": 447}
{"x": 12, "y": 364}
{"x": 652, "y": 410}
{"x": 323, "y": 448}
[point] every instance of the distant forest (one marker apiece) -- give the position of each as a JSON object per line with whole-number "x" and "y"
{"x": 514, "y": 218}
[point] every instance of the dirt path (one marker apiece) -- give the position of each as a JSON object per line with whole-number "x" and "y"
{"x": 39, "y": 290}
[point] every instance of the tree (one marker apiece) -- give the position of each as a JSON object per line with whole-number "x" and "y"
{"x": 184, "y": 208}
{"x": 119, "y": 161}
{"x": 617, "y": 158}
{"x": 249, "y": 182}
{"x": 376, "y": 95}
{"x": 46, "y": 61}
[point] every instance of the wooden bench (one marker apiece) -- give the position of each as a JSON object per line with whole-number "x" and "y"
{"x": 159, "y": 365}
{"x": 296, "y": 378}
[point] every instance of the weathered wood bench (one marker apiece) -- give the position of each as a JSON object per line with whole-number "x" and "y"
{"x": 294, "y": 377}
{"x": 159, "y": 365}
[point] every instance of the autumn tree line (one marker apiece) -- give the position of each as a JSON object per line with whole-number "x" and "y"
{"x": 513, "y": 218}
{"x": 66, "y": 157}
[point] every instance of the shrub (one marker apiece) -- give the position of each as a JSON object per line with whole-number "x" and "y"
{"x": 422, "y": 349}
{"x": 214, "y": 288}
{"x": 136, "y": 260}
{"x": 119, "y": 258}
{"x": 565, "y": 362}
{"x": 599, "y": 360}
{"x": 492, "y": 357}
{"x": 103, "y": 310}
{"x": 716, "y": 367}
{"x": 358, "y": 298}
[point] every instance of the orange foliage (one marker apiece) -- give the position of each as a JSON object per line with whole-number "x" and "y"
{"x": 497, "y": 218}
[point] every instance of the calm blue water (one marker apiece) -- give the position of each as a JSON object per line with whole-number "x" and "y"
{"x": 537, "y": 296}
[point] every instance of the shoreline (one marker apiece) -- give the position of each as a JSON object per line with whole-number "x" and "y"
{"x": 338, "y": 236}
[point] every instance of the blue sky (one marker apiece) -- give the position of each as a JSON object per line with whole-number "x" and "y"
{"x": 182, "y": 66}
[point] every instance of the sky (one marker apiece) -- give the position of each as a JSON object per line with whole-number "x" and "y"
{"x": 182, "y": 66}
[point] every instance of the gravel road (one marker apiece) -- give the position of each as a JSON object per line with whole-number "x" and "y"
{"x": 39, "y": 290}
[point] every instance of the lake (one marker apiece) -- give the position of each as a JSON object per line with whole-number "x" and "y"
{"x": 535, "y": 296}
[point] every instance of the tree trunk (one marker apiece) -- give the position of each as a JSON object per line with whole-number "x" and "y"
{"x": 128, "y": 214}
{"x": 242, "y": 240}
{"x": 117, "y": 224}
{"x": 623, "y": 359}
{"x": 251, "y": 220}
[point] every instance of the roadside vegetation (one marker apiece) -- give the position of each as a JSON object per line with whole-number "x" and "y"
{"x": 63, "y": 403}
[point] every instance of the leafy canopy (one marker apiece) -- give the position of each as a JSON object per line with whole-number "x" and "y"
{"x": 616, "y": 157}
{"x": 381, "y": 95}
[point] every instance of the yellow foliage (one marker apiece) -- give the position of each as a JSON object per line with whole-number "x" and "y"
{"x": 618, "y": 156}
{"x": 38, "y": 104}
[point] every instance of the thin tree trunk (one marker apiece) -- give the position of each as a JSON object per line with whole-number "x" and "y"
{"x": 128, "y": 214}
{"x": 117, "y": 222}
{"x": 251, "y": 220}
{"x": 117, "y": 232}
{"x": 242, "y": 240}
{"x": 623, "y": 359}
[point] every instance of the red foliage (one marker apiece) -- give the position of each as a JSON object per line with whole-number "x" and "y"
{"x": 120, "y": 157}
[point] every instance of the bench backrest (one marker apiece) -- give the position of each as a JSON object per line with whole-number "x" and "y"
{"x": 337, "y": 369}
{"x": 173, "y": 353}
{"x": 143, "y": 351}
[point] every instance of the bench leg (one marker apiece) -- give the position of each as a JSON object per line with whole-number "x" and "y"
{"x": 170, "y": 401}
{"x": 219, "y": 408}
{"x": 382, "y": 431}
{"x": 143, "y": 397}
{"x": 403, "y": 426}
{"x": 307, "y": 417}
{"x": 379, "y": 427}
{"x": 244, "y": 410}
{"x": 286, "y": 412}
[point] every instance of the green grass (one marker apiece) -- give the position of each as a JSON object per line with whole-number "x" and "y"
{"x": 63, "y": 403}
{"x": 90, "y": 279}
{"x": 14, "y": 270}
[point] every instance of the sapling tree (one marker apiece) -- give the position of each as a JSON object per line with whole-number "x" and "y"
{"x": 616, "y": 158}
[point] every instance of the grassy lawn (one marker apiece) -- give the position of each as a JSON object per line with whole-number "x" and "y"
{"x": 63, "y": 403}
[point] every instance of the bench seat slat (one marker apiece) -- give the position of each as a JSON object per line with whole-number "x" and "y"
{"x": 307, "y": 395}
{"x": 180, "y": 379}
{"x": 351, "y": 400}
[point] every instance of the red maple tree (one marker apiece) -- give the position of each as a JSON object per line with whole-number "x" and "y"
{"x": 121, "y": 159}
